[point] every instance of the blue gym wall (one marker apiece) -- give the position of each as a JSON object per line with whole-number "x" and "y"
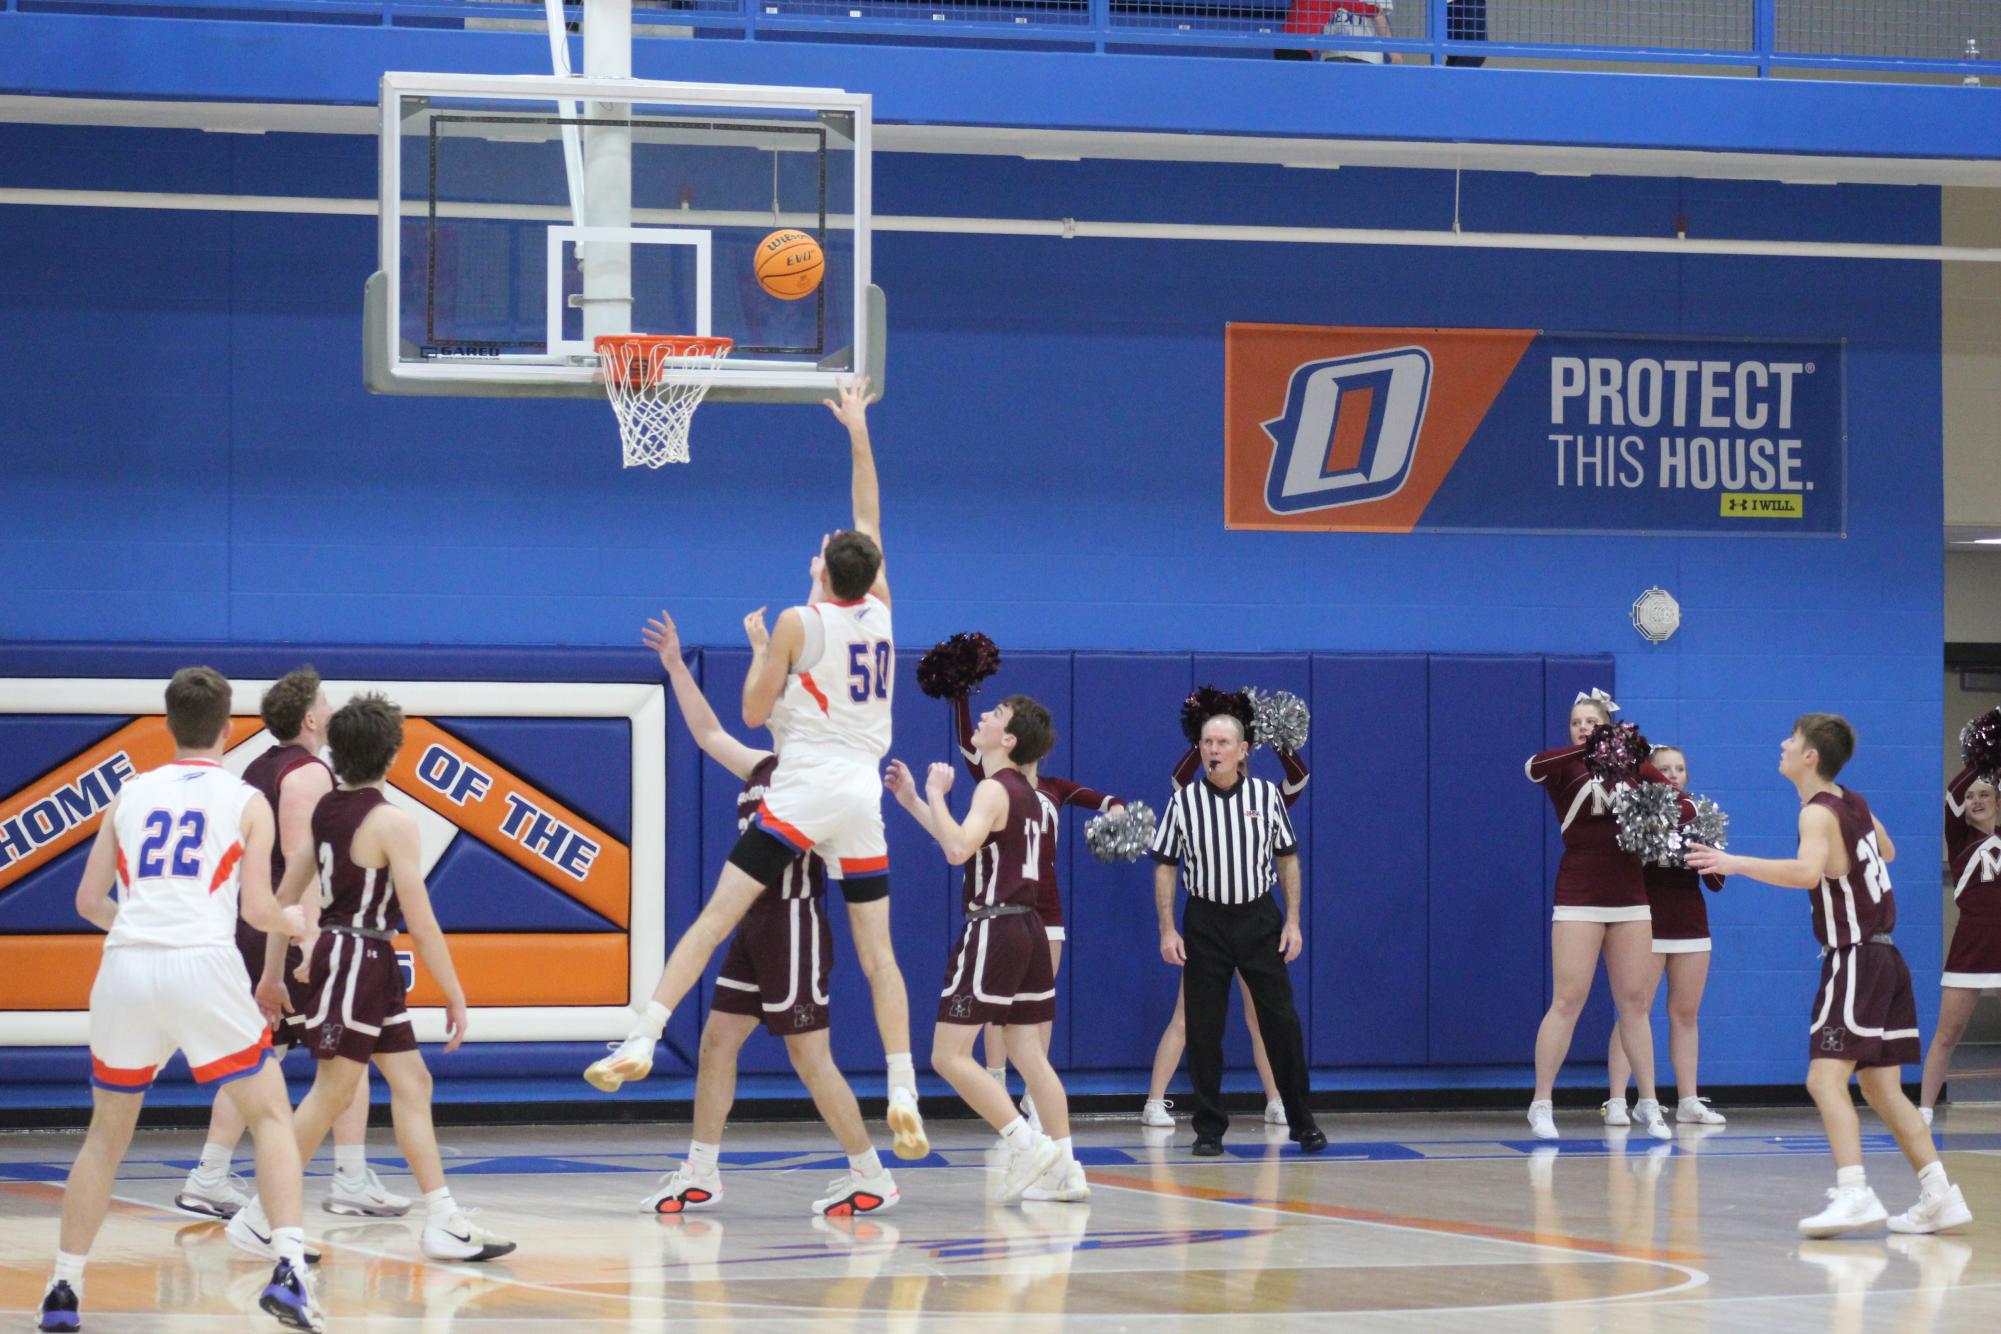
{"x": 189, "y": 455}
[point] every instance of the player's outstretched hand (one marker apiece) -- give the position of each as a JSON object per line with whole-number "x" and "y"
{"x": 455, "y": 1025}
{"x": 938, "y": 781}
{"x": 851, "y": 408}
{"x": 664, "y": 639}
{"x": 754, "y": 630}
{"x": 897, "y": 778}
{"x": 1706, "y": 859}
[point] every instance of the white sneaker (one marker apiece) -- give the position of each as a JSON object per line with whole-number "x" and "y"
{"x": 1026, "y": 1166}
{"x": 1849, "y": 1209}
{"x": 1925, "y": 1112}
{"x": 1155, "y": 1113}
{"x": 907, "y": 1124}
{"x": 683, "y": 1190}
{"x": 850, "y": 1195}
{"x": 630, "y": 1060}
{"x": 1697, "y": 1112}
{"x": 216, "y": 1195}
{"x": 1028, "y": 1114}
{"x": 1647, "y": 1115}
{"x": 364, "y": 1197}
{"x": 1934, "y": 1213}
{"x": 250, "y": 1231}
{"x": 1275, "y": 1113}
{"x": 1064, "y": 1182}
{"x": 1542, "y": 1119}
{"x": 454, "y": 1236}
{"x": 1614, "y": 1112}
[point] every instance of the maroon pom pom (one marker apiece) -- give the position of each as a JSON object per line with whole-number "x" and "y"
{"x": 1614, "y": 752}
{"x": 1206, "y": 702}
{"x": 957, "y": 665}
{"x": 1980, "y": 744}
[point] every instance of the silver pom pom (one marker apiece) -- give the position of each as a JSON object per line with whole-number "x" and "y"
{"x": 1283, "y": 720}
{"x": 1649, "y": 819}
{"x": 1710, "y": 827}
{"x": 1122, "y": 835}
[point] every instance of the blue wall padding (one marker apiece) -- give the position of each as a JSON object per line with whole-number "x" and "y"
{"x": 1488, "y": 920}
{"x": 1369, "y": 953}
{"x": 1126, "y": 739}
{"x": 31, "y": 744}
{"x": 474, "y": 888}
{"x": 44, "y": 900}
{"x": 581, "y": 762}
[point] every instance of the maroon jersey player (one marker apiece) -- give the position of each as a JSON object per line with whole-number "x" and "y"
{"x": 1865, "y": 1021}
{"x": 1601, "y": 908}
{"x": 1053, "y": 794}
{"x": 775, "y": 974}
{"x": 999, "y": 969}
{"x": 371, "y": 886}
{"x": 1973, "y": 962}
{"x": 1676, "y": 900}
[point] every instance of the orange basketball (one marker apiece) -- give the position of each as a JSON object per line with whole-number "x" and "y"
{"x": 789, "y": 264}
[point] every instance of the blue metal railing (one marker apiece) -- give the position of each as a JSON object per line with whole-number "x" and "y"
{"x": 1954, "y": 39}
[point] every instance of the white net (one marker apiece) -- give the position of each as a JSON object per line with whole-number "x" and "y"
{"x": 655, "y": 384}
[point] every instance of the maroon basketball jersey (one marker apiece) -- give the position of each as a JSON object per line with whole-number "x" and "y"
{"x": 1007, "y": 867}
{"x": 267, "y": 773}
{"x": 806, "y": 876}
{"x": 1976, "y": 857}
{"x": 1849, "y": 909}
{"x": 361, "y": 897}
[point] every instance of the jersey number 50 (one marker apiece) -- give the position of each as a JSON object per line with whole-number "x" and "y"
{"x": 866, "y": 679}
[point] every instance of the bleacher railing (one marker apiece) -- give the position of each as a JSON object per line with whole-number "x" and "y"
{"x": 1957, "y": 40}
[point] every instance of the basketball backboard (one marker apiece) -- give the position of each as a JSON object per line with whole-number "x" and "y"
{"x": 524, "y": 215}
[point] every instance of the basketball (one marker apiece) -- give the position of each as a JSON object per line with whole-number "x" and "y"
{"x": 789, "y": 264}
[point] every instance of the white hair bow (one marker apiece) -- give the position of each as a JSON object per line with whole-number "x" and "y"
{"x": 1595, "y": 696}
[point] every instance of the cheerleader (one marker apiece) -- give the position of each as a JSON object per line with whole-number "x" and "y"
{"x": 1681, "y": 948}
{"x": 1601, "y": 908}
{"x": 1973, "y": 964}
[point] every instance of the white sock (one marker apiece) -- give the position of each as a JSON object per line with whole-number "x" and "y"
{"x": 439, "y": 1203}
{"x": 866, "y": 1163}
{"x": 1017, "y": 1133}
{"x": 902, "y": 1074}
{"x": 702, "y": 1157}
{"x": 290, "y": 1244}
{"x": 214, "y": 1159}
{"x": 652, "y": 1021}
{"x": 69, "y": 1269}
{"x": 1850, "y": 1176}
{"x": 1932, "y": 1181}
{"x": 350, "y": 1160}
{"x": 1069, "y": 1149}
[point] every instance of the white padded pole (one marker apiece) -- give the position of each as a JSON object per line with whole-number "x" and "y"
{"x": 573, "y": 140}
{"x": 608, "y": 172}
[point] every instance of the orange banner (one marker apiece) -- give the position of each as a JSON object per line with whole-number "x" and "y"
{"x": 64, "y": 806}
{"x": 523, "y": 824}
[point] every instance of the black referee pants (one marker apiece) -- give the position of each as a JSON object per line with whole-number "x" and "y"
{"x": 1222, "y": 940}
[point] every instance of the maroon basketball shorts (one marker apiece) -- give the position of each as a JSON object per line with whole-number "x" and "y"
{"x": 285, "y": 1034}
{"x": 354, "y": 1004}
{"x": 1975, "y": 957}
{"x": 1865, "y": 1011}
{"x": 777, "y": 967}
{"x": 999, "y": 973}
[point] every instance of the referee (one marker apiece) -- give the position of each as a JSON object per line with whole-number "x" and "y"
{"x": 1231, "y": 837}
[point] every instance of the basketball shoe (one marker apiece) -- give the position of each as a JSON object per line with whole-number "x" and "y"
{"x": 630, "y": 1061}
{"x": 907, "y": 1124}
{"x": 1849, "y": 1209}
{"x": 851, "y": 1194}
{"x": 453, "y": 1236}
{"x": 217, "y": 1194}
{"x": 364, "y": 1196}
{"x": 289, "y": 1297}
{"x": 685, "y": 1189}
{"x": 60, "y": 1307}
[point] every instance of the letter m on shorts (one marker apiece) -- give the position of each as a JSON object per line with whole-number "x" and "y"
{"x": 1349, "y": 431}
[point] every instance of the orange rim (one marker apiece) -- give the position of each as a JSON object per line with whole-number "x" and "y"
{"x": 640, "y": 359}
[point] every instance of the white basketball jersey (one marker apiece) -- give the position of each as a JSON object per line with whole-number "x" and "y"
{"x": 840, "y": 700}
{"x": 180, "y": 839}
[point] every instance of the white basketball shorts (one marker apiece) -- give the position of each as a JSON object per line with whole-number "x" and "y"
{"x": 149, "y": 1003}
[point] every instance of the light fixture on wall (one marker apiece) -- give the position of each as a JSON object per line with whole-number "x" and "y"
{"x": 1656, "y": 615}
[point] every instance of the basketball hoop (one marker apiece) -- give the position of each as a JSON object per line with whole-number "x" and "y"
{"x": 655, "y": 383}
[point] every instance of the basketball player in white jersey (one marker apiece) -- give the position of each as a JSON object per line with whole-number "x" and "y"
{"x": 822, "y": 681}
{"x": 179, "y": 841}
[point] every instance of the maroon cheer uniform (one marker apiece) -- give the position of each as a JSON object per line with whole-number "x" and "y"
{"x": 1975, "y": 957}
{"x": 1596, "y": 881}
{"x": 999, "y": 972}
{"x": 1864, "y": 1011}
{"x": 1680, "y": 914}
{"x": 354, "y": 1005}
{"x": 267, "y": 773}
{"x": 782, "y": 954}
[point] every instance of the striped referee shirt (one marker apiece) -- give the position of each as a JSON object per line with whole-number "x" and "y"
{"x": 1227, "y": 840}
